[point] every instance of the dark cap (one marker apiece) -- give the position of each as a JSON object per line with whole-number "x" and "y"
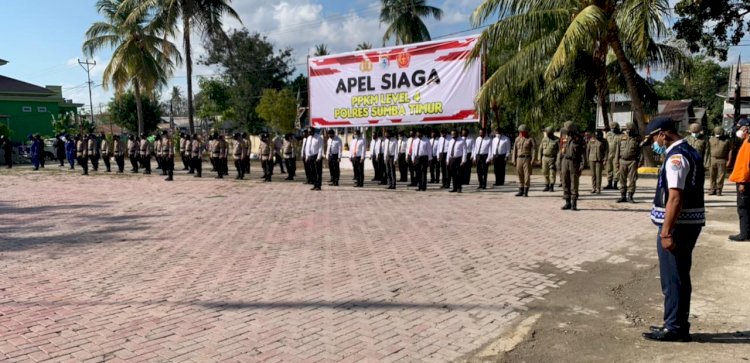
{"x": 660, "y": 124}
{"x": 743, "y": 122}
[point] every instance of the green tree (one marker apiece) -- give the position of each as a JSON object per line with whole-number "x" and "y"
{"x": 321, "y": 50}
{"x": 215, "y": 101}
{"x": 251, "y": 66}
{"x": 122, "y": 110}
{"x": 141, "y": 57}
{"x": 728, "y": 24}
{"x": 65, "y": 123}
{"x": 701, "y": 82}
{"x": 364, "y": 46}
{"x": 5, "y": 130}
{"x": 278, "y": 109}
{"x": 404, "y": 20}
{"x": 186, "y": 16}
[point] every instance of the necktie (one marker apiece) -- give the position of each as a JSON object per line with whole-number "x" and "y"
{"x": 419, "y": 147}
{"x": 356, "y": 141}
{"x": 453, "y": 148}
{"x": 411, "y": 143}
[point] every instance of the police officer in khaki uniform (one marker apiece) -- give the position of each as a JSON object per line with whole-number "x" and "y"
{"x": 167, "y": 155}
{"x": 145, "y": 154}
{"x": 93, "y": 152}
{"x": 289, "y": 152}
{"x": 133, "y": 145}
{"x": 597, "y": 155}
{"x": 196, "y": 155}
{"x": 627, "y": 158}
{"x": 549, "y": 149}
{"x": 613, "y": 136}
{"x": 157, "y": 153}
{"x": 721, "y": 155}
{"x": 246, "y": 159}
{"x": 523, "y": 158}
{"x": 105, "y": 150}
{"x": 82, "y": 153}
{"x": 237, "y": 154}
{"x": 118, "y": 149}
{"x": 572, "y": 165}
{"x": 265, "y": 149}
{"x": 224, "y": 157}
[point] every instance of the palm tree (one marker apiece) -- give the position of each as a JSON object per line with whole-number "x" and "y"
{"x": 202, "y": 15}
{"x": 404, "y": 19}
{"x": 363, "y": 46}
{"x": 141, "y": 57}
{"x": 321, "y": 50}
{"x": 554, "y": 33}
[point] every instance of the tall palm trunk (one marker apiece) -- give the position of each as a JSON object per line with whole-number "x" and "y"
{"x": 601, "y": 81}
{"x": 138, "y": 105}
{"x": 628, "y": 72}
{"x": 189, "y": 67}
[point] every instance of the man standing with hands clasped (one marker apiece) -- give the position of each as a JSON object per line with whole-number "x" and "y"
{"x": 679, "y": 212}
{"x": 741, "y": 176}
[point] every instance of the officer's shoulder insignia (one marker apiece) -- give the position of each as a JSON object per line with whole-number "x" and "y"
{"x": 675, "y": 162}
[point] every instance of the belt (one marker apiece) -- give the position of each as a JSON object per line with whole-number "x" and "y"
{"x": 623, "y": 159}
{"x": 523, "y": 156}
{"x": 501, "y": 155}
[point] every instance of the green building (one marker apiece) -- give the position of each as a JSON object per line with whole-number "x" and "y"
{"x": 26, "y": 108}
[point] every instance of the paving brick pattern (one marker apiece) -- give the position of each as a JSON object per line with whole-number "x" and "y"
{"x": 132, "y": 268}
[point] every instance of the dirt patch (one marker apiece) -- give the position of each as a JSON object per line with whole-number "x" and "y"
{"x": 599, "y": 314}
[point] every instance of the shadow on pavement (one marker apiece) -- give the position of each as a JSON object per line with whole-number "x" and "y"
{"x": 739, "y": 337}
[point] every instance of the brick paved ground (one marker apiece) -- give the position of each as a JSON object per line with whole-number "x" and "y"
{"x": 133, "y": 268}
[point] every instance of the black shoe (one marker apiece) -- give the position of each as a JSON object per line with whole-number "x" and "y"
{"x": 196, "y": 176}
{"x": 567, "y": 205}
{"x": 460, "y": 191}
{"x": 630, "y": 198}
{"x": 168, "y": 179}
{"x": 665, "y": 335}
{"x": 526, "y": 192}
{"x": 520, "y": 192}
{"x": 713, "y": 192}
{"x": 552, "y": 188}
{"x": 452, "y": 191}
{"x": 574, "y": 205}
{"x": 622, "y": 199}
{"x": 738, "y": 238}
{"x": 546, "y": 188}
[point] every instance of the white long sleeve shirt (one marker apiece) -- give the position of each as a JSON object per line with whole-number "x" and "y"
{"x": 469, "y": 144}
{"x": 434, "y": 144}
{"x": 304, "y": 147}
{"x": 403, "y": 146}
{"x": 390, "y": 147}
{"x": 483, "y": 146}
{"x": 334, "y": 147}
{"x": 358, "y": 148}
{"x": 421, "y": 148}
{"x": 315, "y": 146}
{"x": 500, "y": 146}
{"x": 457, "y": 149}
{"x": 377, "y": 148}
{"x": 410, "y": 145}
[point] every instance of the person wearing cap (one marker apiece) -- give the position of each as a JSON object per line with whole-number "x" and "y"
{"x": 158, "y": 153}
{"x": 59, "y": 146}
{"x": 627, "y": 159}
{"x": 480, "y": 155}
{"x": 167, "y": 155}
{"x": 549, "y": 149}
{"x": 357, "y": 152}
{"x": 93, "y": 152}
{"x": 457, "y": 157}
{"x": 288, "y": 150}
{"x": 334, "y": 150}
{"x": 721, "y": 149}
{"x": 523, "y": 158}
{"x": 613, "y": 136}
{"x": 596, "y": 149}
{"x": 278, "y": 142}
{"x": 105, "y": 150}
{"x": 237, "y": 155}
{"x": 82, "y": 153}
{"x": 741, "y": 176}
{"x": 315, "y": 158}
{"x": 422, "y": 153}
{"x": 698, "y": 142}
{"x": 572, "y": 157}
{"x": 196, "y": 155}
{"x": 265, "y": 151}
{"x": 118, "y": 150}
{"x": 246, "y": 158}
{"x": 133, "y": 153}
{"x": 499, "y": 151}
{"x": 305, "y": 140}
{"x": 70, "y": 151}
{"x": 144, "y": 150}
{"x": 181, "y": 147}
{"x": 679, "y": 213}
{"x": 36, "y": 151}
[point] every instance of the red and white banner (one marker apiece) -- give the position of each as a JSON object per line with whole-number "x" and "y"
{"x": 421, "y": 83}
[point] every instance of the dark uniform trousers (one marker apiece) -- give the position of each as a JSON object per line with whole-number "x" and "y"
{"x": 390, "y": 171}
{"x": 197, "y": 165}
{"x": 466, "y": 170}
{"x": 146, "y": 163}
{"x": 107, "y": 163}
{"x": 403, "y": 169}
{"x": 482, "y": 170}
{"x": 280, "y": 161}
{"x": 120, "y": 161}
{"x": 240, "y": 166}
{"x": 743, "y": 209}
{"x": 443, "y": 160}
{"x": 456, "y": 173}
{"x": 334, "y": 169}
{"x": 434, "y": 171}
{"x": 133, "y": 161}
{"x": 94, "y": 161}
{"x": 412, "y": 172}
{"x": 167, "y": 165}
{"x": 375, "y": 168}
{"x": 421, "y": 166}
{"x": 316, "y": 169}
{"x": 499, "y": 165}
{"x": 84, "y": 163}
{"x": 359, "y": 172}
{"x": 267, "y": 165}
{"x": 308, "y": 170}
{"x": 674, "y": 271}
{"x": 381, "y": 169}
{"x": 185, "y": 160}
{"x": 291, "y": 167}
{"x": 246, "y": 165}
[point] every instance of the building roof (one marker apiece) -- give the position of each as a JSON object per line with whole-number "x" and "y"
{"x": 744, "y": 81}
{"x": 10, "y": 85}
{"x": 676, "y": 109}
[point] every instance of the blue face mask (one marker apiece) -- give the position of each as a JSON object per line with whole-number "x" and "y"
{"x": 658, "y": 150}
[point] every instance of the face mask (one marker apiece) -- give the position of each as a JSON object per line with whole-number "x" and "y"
{"x": 740, "y": 134}
{"x": 694, "y": 134}
{"x": 658, "y": 150}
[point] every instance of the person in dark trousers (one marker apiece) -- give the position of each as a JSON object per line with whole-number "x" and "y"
{"x": 442, "y": 152}
{"x": 482, "y": 147}
{"x": 500, "y": 151}
{"x": 289, "y": 151}
{"x": 457, "y": 158}
{"x": 315, "y": 158}
{"x": 422, "y": 155}
{"x": 118, "y": 149}
{"x": 42, "y": 153}
{"x": 70, "y": 151}
{"x": 196, "y": 156}
{"x": 133, "y": 154}
{"x": 305, "y": 141}
{"x": 59, "y": 146}
{"x": 7, "y": 146}
{"x": 403, "y": 166}
{"x": 248, "y": 149}
{"x": 741, "y": 176}
{"x": 82, "y": 153}
{"x": 357, "y": 152}
{"x": 333, "y": 155}
{"x": 145, "y": 154}
{"x": 435, "y": 164}
{"x": 390, "y": 152}
{"x": 679, "y": 212}
{"x": 36, "y": 151}
{"x": 93, "y": 150}
{"x": 105, "y": 150}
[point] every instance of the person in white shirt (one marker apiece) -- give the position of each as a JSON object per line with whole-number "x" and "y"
{"x": 435, "y": 164}
{"x": 443, "y": 157}
{"x": 303, "y": 156}
{"x": 374, "y": 151}
{"x": 390, "y": 151}
{"x": 333, "y": 155}
{"x": 500, "y": 151}
{"x": 482, "y": 148}
{"x": 358, "y": 149}
{"x": 422, "y": 154}
{"x": 456, "y": 159}
{"x": 315, "y": 158}
{"x": 466, "y": 170}
{"x": 403, "y": 166}
{"x": 410, "y": 145}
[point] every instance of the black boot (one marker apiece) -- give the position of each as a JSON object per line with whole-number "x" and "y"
{"x": 520, "y": 192}
{"x": 546, "y": 187}
{"x": 614, "y": 186}
{"x": 623, "y": 198}
{"x": 567, "y": 205}
{"x": 552, "y": 188}
{"x": 630, "y": 198}
{"x": 574, "y": 204}
{"x": 609, "y": 186}
{"x": 526, "y": 192}
{"x": 744, "y": 234}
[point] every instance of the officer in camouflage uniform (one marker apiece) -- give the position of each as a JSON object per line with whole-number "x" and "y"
{"x": 721, "y": 148}
{"x": 548, "y": 150}
{"x": 699, "y": 143}
{"x": 613, "y": 136}
{"x": 523, "y": 158}
{"x": 572, "y": 165}
{"x": 596, "y": 150}
{"x": 627, "y": 159}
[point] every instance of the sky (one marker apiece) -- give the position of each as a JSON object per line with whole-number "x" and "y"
{"x": 41, "y": 39}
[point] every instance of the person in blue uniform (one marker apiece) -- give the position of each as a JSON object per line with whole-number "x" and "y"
{"x": 70, "y": 151}
{"x": 36, "y": 150}
{"x": 679, "y": 212}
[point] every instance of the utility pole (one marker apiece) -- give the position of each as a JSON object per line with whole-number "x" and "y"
{"x": 88, "y": 66}
{"x": 737, "y": 91}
